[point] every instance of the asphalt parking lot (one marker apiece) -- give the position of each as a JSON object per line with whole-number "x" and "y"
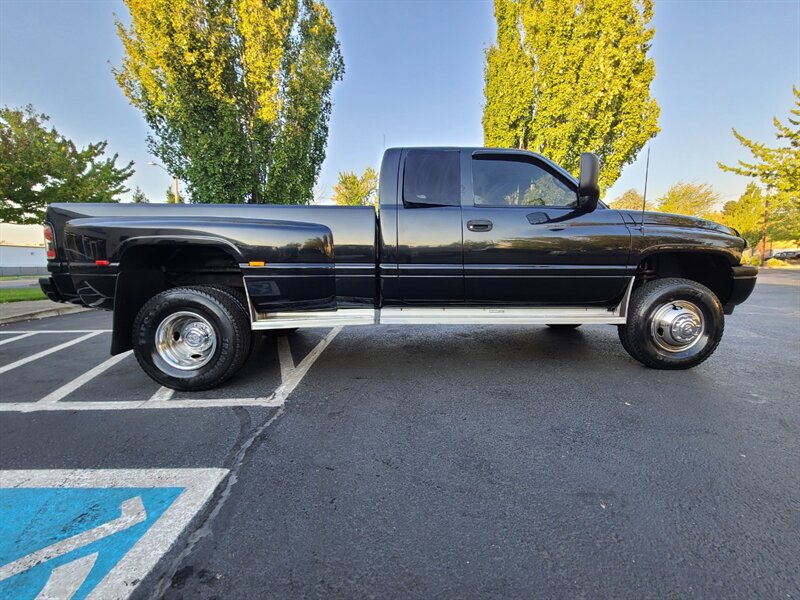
{"x": 456, "y": 462}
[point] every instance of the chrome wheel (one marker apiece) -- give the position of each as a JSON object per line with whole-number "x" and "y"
{"x": 677, "y": 326}
{"x": 185, "y": 341}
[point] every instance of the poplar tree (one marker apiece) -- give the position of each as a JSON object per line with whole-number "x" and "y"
{"x": 236, "y": 92}
{"x": 571, "y": 76}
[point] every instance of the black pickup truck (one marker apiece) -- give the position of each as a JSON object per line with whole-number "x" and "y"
{"x": 462, "y": 236}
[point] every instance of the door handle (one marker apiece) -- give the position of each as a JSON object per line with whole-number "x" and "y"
{"x": 479, "y": 225}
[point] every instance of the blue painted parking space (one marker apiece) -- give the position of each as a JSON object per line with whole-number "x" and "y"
{"x": 92, "y": 533}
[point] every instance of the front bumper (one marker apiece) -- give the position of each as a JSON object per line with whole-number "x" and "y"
{"x": 744, "y": 280}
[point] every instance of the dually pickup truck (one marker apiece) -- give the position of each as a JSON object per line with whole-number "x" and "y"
{"x": 462, "y": 236}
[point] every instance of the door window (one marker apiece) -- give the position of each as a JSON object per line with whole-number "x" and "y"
{"x": 516, "y": 181}
{"x": 431, "y": 178}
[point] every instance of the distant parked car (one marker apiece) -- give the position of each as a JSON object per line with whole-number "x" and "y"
{"x": 788, "y": 255}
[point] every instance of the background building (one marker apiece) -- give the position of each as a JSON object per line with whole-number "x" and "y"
{"x": 22, "y": 250}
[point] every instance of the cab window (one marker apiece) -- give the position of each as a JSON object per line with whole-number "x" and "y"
{"x": 518, "y": 181}
{"x": 432, "y": 178}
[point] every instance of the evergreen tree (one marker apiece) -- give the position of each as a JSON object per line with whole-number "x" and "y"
{"x": 138, "y": 196}
{"x": 778, "y": 169}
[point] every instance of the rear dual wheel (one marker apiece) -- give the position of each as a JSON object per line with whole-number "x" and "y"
{"x": 192, "y": 338}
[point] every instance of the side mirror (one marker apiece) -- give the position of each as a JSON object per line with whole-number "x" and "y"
{"x": 588, "y": 189}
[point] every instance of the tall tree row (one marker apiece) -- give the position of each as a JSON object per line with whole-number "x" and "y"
{"x": 236, "y": 92}
{"x": 571, "y": 76}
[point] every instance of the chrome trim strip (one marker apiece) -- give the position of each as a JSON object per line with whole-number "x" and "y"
{"x": 321, "y": 318}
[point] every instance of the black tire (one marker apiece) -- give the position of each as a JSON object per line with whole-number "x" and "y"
{"x": 624, "y": 340}
{"x": 216, "y": 309}
{"x": 696, "y": 318}
{"x": 563, "y": 326}
{"x": 241, "y": 300}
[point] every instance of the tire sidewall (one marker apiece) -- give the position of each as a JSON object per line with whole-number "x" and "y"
{"x": 645, "y": 309}
{"x": 144, "y": 336}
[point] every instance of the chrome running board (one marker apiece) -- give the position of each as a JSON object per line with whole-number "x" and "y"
{"x": 548, "y": 315}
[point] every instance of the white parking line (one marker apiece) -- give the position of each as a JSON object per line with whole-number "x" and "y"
{"x": 37, "y": 356}
{"x": 291, "y": 375}
{"x": 19, "y": 337}
{"x": 161, "y": 394}
{"x": 73, "y": 385}
{"x": 285, "y": 358}
{"x": 270, "y": 401}
{"x": 296, "y": 375}
{"x": 9, "y": 332}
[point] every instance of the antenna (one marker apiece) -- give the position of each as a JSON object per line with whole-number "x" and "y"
{"x": 646, "y": 173}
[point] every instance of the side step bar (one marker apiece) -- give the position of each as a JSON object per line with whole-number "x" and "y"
{"x": 498, "y": 316}
{"x": 448, "y": 316}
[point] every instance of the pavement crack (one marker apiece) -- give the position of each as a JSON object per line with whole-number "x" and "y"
{"x": 220, "y": 497}
{"x": 245, "y": 427}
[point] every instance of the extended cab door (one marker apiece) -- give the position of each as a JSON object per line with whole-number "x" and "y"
{"x": 429, "y": 242}
{"x": 525, "y": 241}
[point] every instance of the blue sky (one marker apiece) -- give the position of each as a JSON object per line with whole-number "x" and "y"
{"x": 414, "y": 76}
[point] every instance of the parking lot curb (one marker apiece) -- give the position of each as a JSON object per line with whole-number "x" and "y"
{"x": 41, "y": 313}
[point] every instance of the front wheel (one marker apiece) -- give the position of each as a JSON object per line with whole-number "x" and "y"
{"x": 191, "y": 338}
{"x": 672, "y": 324}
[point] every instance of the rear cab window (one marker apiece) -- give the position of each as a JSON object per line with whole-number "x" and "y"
{"x": 432, "y": 178}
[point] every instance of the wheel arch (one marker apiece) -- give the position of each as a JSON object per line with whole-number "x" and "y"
{"x": 711, "y": 267}
{"x": 148, "y": 266}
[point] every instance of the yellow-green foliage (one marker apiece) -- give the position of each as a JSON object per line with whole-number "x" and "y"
{"x": 630, "y": 200}
{"x": 353, "y": 189}
{"x": 692, "y": 199}
{"x": 571, "y": 76}
{"x": 776, "y": 262}
{"x": 746, "y": 214}
{"x": 236, "y": 92}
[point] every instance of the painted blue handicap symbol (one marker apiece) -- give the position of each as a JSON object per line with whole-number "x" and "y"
{"x": 61, "y": 542}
